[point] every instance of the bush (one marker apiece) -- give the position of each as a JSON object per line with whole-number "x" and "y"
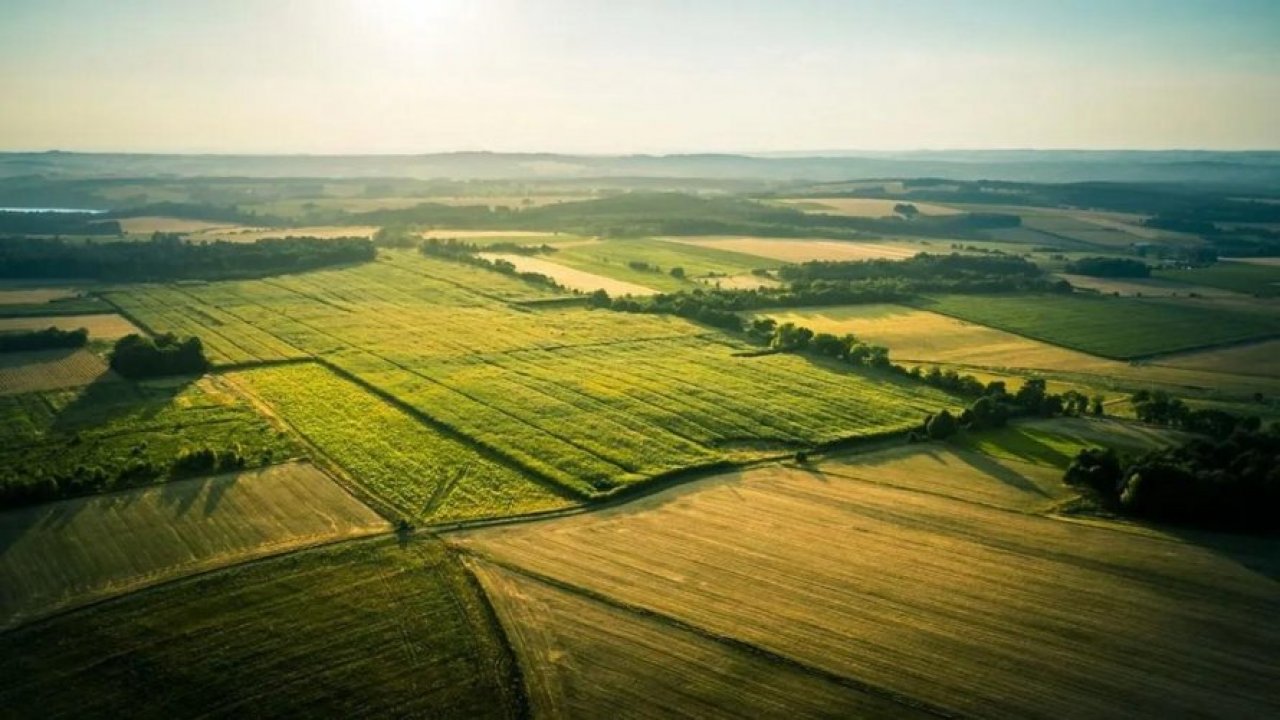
{"x": 941, "y": 426}
{"x": 47, "y": 339}
{"x": 135, "y": 356}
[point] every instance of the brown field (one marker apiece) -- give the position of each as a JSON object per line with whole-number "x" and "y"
{"x": 920, "y": 336}
{"x": 148, "y": 225}
{"x": 50, "y": 369}
{"x": 101, "y": 326}
{"x": 570, "y": 277}
{"x": 581, "y": 656}
{"x": 864, "y": 207}
{"x": 1261, "y": 359}
{"x": 32, "y": 296}
{"x": 66, "y": 553}
{"x": 244, "y": 234}
{"x": 1146, "y": 287}
{"x": 961, "y": 608}
{"x": 801, "y": 250}
{"x": 740, "y": 282}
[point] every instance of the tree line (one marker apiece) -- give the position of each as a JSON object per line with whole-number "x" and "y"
{"x": 1227, "y": 477}
{"x": 137, "y": 357}
{"x": 1108, "y": 267}
{"x": 47, "y": 339}
{"x": 169, "y": 257}
{"x": 465, "y": 252}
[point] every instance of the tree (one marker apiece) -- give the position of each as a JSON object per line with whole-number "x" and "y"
{"x": 677, "y": 272}
{"x": 906, "y": 210}
{"x": 941, "y": 426}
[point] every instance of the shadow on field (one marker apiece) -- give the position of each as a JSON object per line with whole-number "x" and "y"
{"x": 991, "y": 468}
{"x": 1256, "y": 553}
{"x": 108, "y": 399}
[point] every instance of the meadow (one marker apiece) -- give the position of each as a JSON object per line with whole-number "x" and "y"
{"x": 879, "y": 585}
{"x": 1261, "y": 359}
{"x": 367, "y": 629}
{"x": 67, "y": 553}
{"x": 1119, "y": 328}
{"x": 1242, "y": 277}
{"x": 67, "y": 436}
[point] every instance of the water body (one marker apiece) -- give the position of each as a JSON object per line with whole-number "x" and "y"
{"x": 51, "y": 210}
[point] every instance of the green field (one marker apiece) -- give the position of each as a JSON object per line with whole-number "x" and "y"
{"x": 66, "y": 436}
{"x": 611, "y": 258}
{"x": 1056, "y": 443}
{"x": 62, "y": 554}
{"x": 584, "y": 398}
{"x": 419, "y": 471}
{"x": 372, "y": 629}
{"x": 1120, "y": 328}
{"x": 1249, "y": 278}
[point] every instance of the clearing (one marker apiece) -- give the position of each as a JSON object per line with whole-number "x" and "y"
{"x": 366, "y": 629}
{"x": 67, "y": 553}
{"x": 882, "y": 587}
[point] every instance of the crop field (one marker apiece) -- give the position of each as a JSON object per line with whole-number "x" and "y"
{"x": 1145, "y": 287}
{"x": 795, "y": 250}
{"x": 1261, "y": 359}
{"x": 578, "y": 397}
{"x": 26, "y": 372}
{"x": 613, "y": 258}
{"x": 33, "y": 295}
{"x": 573, "y": 278}
{"x": 864, "y": 207}
{"x": 1055, "y": 443}
{"x": 520, "y": 237}
{"x": 1121, "y": 328}
{"x": 66, "y": 553}
{"x": 420, "y": 471}
{"x": 250, "y": 234}
{"x": 368, "y": 629}
{"x": 148, "y": 225}
{"x": 881, "y": 586}
{"x": 100, "y": 326}
{"x": 57, "y": 306}
{"x": 1241, "y": 277}
{"x": 585, "y": 658}
{"x": 113, "y": 426}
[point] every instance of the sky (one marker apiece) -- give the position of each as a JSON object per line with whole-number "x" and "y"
{"x": 644, "y": 76}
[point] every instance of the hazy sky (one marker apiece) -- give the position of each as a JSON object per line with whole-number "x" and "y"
{"x": 647, "y": 76}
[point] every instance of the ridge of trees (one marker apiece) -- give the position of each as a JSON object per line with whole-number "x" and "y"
{"x": 168, "y": 257}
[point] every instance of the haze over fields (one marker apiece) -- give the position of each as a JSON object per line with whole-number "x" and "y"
{"x": 709, "y": 359}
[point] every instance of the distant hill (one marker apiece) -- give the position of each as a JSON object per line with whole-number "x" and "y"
{"x": 1260, "y": 169}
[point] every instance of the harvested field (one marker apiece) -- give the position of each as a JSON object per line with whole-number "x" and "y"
{"x": 801, "y": 250}
{"x": 70, "y": 552}
{"x": 648, "y": 262}
{"x": 242, "y": 234}
{"x": 32, "y": 296}
{"x": 864, "y": 207}
{"x": 585, "y": 658}
{"x": 371, "y": 629}
{"x": 1145, "y": 287}
{"x": 100, "y": 326}
{"x": 740, "y": 282}
{"x": 37, "y": 370}
{"x": 571, "y": 278}
{"x": 149, "y": 225}
{"x": 962, "y": 608}
{"x": 1261, "y": 359}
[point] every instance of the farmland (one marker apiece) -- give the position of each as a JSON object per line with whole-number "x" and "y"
{"x": 1120, "y": 328}
{"x": 419, "y": 471}
{"x": 572, "y": 278}
{"x": 69, "y": 552}
{"x": 1262, "y": 359}
{"x": 100, "y": 326}
{"x": 864, "y": 207}
{"x": 111, "y": 434}
{"x": 576, "y": 397}
{"x": 881, "y": 586}
{"x": 795, "y": 250}
{"x": 37, "y": 370}
{"x": 615, "y": 259}
{"x": 368, "y": 629}
{"x": 1249, "y": 278}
